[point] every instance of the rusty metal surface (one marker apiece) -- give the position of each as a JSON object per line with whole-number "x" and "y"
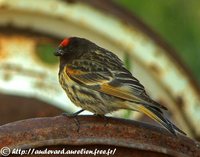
{"x": 165, "y": 78}
{"x": 23, "y": 73}
{"x": 64, "y": 131}
{"x": 14, "y": 108}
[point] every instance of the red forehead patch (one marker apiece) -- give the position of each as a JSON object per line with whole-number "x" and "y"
{"x": 65, "y": 42}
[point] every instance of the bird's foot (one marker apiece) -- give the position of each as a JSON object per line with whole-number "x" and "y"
{"x": 74, "y": 115}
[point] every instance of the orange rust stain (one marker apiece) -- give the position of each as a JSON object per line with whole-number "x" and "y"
{"x": 7, "y": 43}
{"x": 155, "y": 69}
{"x": 2, "y": 52}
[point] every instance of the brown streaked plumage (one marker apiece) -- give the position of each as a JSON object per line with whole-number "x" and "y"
{"x": 96, "y": 80}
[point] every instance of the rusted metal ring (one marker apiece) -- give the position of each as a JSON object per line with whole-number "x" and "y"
{"x": 92, "y": 130}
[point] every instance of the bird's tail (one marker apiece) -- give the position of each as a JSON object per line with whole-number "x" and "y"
{"x": 157, "y": 115}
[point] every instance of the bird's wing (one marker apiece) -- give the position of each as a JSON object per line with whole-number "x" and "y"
{"x": 119, "y": 83}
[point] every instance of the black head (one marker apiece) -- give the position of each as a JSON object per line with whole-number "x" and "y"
{"x": 73, "y": 45}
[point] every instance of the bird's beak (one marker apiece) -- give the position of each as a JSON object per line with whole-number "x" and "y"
{"x": 59, "y": 52}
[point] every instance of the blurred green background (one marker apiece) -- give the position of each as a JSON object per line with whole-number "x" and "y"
{"x": 177, "y": 22}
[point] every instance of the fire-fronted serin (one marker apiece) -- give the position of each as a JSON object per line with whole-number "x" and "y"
{"x": 96, "y": 80}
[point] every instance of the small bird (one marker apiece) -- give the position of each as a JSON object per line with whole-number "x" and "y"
{"x": 96, "y": 80}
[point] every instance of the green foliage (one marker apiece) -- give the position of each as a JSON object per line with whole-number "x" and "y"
{"x": 127, "y": 63}
{"x": 45, "y": 53}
